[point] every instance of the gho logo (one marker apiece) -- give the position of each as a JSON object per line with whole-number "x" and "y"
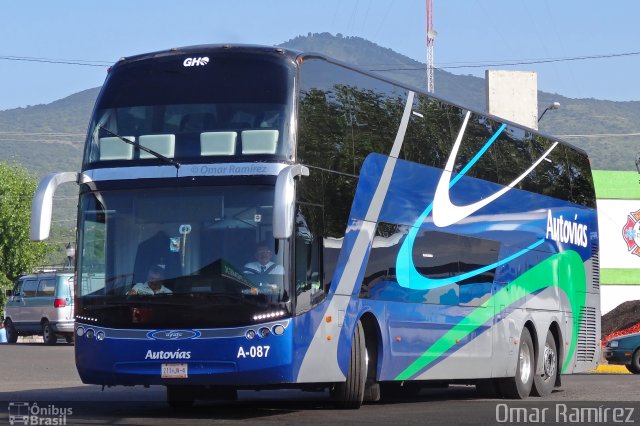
{"x": 196, "y": 62}
{"x": 631, "y": 232}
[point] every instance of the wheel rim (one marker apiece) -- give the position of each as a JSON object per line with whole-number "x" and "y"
{"x": 366, "y": 360}
{"x": 550, "y": 361}
{"x": 46, "y": 332}
{"x": 525, "y": 363}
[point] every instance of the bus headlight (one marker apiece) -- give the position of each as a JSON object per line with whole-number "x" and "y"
{"x": 264, "y": 332}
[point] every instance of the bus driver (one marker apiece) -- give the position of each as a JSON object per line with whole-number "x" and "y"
{"x": 153, "y": 284}
{"x": 263, "y": 263}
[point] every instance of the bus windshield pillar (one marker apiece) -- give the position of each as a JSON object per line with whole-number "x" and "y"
{"x": 284, "y": 200}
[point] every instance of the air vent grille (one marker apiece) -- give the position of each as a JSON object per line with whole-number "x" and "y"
{"x": 595, "y": 267}
{"x": 587, "y": 339}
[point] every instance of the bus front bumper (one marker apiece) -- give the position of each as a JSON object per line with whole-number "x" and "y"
{"x": 231, "y": 358}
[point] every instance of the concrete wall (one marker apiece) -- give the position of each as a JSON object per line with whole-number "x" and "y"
{"x": 513, "y": 95}
{"x": 618, "y": 194}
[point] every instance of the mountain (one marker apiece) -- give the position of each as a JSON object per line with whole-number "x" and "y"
{"x": 47, "y": 138}
{"x": 50, "y": 137}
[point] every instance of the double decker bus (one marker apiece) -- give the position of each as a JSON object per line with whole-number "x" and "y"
{"x": 417, "y": 241}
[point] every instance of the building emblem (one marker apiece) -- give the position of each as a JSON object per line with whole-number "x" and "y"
{"x": 631, "y": 232}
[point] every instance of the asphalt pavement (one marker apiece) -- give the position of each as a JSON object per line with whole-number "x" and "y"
{"x": 40, "y": 379}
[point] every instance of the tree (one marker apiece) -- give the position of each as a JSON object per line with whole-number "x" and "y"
{"x": 17, "y": 253}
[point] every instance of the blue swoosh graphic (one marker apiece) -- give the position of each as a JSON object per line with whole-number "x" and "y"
{"x": 406, "y": 272}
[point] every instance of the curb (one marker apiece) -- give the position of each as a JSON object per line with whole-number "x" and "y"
{"x": 30, "y": 339}
{"x": 610, "y": 369}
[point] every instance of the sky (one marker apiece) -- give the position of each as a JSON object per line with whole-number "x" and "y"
{"x": 471, "y": 35}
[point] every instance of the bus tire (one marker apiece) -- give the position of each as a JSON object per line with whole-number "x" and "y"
{"x": 12, "y": 333}
{"x": 179, "y": 397}
{"x": 543, "y": 384}
{"x": 49, "y": 337}
{"x": 519, "y": 387}
{"x": 350, "y": 393}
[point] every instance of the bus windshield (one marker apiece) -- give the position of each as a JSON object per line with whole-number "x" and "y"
{"x": 230, "y": 107}
{"x": 180, "y": 257}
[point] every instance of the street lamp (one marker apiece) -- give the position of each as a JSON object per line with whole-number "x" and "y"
{"x": 554, "y": 105}
{"x": 70, "y": 252}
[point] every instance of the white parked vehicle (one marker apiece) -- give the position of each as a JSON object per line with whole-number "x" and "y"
{"x": 41, "y": 304}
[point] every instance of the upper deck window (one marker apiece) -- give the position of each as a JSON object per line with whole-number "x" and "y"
{"x": 235, "y": 107}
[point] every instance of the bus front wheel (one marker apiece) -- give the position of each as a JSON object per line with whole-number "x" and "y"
{"x": 519, "y": 387}
{"x": 350, "y": 393}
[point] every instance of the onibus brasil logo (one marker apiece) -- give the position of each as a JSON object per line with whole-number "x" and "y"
{"x": 631, "y": 232}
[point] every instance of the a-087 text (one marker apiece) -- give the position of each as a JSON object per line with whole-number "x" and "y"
{"x": 253, "y": 352}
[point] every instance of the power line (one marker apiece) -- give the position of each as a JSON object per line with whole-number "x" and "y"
{"x": 61, "y": 134}
{"x": 41, "y": 141}
{"x": 80, "y": 62}
{"x": 513, "y": 63}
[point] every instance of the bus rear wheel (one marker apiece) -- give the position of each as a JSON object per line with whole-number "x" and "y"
{"x": 350, "y": 393}
{"x": 543, "y": 384}
{"x": 519, "y": 387}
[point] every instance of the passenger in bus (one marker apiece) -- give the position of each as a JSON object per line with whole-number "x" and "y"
{"x": 263, "y": 263}
{"x": 153, "y": 285}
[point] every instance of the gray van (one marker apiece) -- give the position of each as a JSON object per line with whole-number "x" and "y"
{"x": 41, "y": 304}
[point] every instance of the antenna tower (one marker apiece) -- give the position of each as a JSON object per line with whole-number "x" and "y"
{"x": 431, "y": 36}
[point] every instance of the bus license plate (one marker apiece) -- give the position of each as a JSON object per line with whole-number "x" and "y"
{"x": 174, "y": 371}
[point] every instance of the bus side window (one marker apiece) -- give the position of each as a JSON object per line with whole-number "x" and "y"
{"x": 308, "y": 252}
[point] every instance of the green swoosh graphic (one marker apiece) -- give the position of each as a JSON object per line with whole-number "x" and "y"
{"x": 563, "y": 270}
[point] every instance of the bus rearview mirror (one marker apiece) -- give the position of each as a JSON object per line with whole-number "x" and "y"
{"x": 42, "y": 206}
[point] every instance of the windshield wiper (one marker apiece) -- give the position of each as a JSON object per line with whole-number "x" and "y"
{"x": 144, "y": 148}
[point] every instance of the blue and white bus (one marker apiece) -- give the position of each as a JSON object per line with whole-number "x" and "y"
{"x": 417, "y": 241}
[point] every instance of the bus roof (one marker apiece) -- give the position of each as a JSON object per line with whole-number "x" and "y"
{"x": 296, "y": 56}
